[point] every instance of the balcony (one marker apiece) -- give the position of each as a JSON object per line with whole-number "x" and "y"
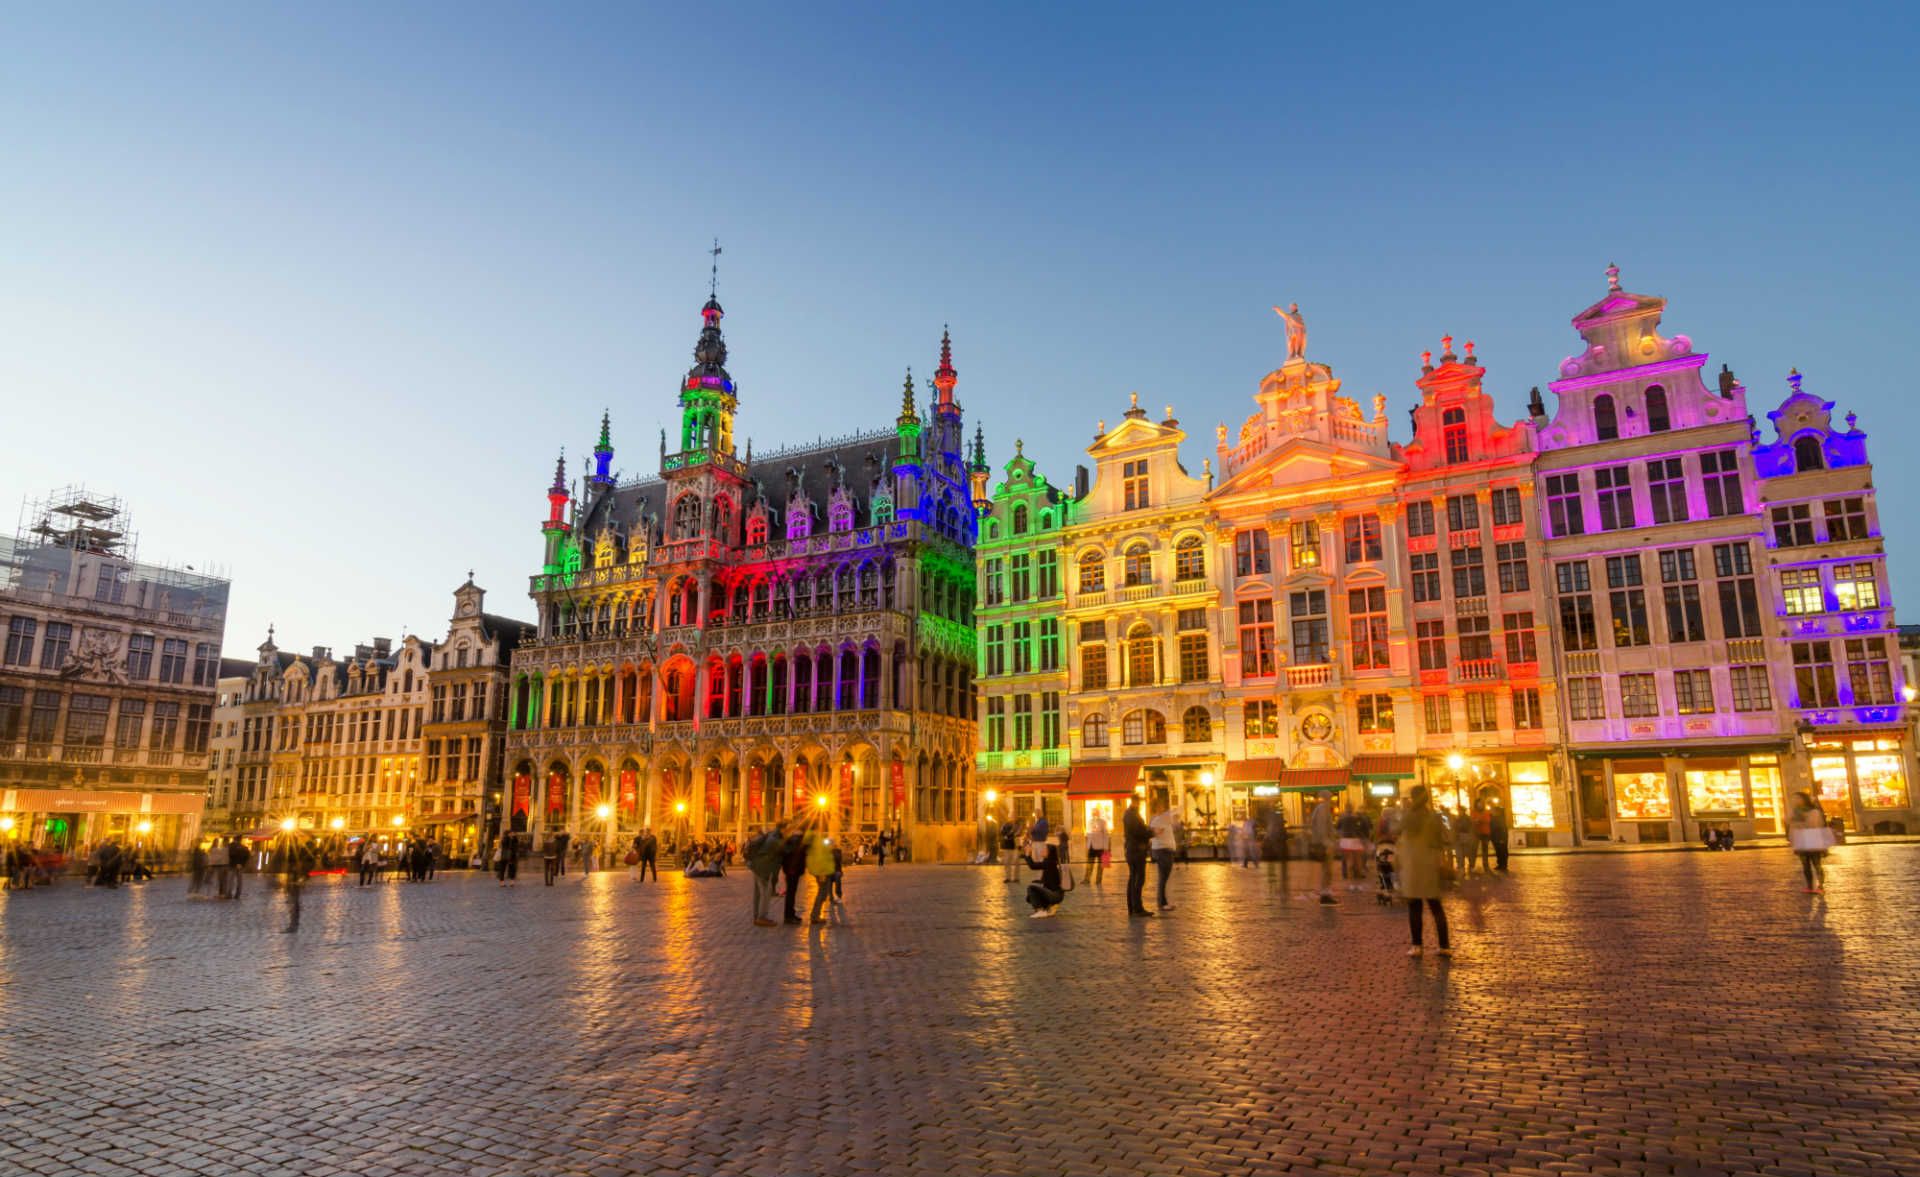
{"x": 1033, "y": 758}
{"x": 1313, "y": 674}
{"x": 1138, "y": 592}
{"x": 1478, "y": 670}
{"x": 1084, "y": 600}
{"x": 1583, "y": 662}
{"x": 1746, "y": 650}
{"x": 1197, "y": 584}
{"x": 1470, "y": 606}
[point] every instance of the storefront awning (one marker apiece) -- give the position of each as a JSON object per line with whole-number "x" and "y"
{"x": 1053, "y": 785}
{"x": 1382, "y": 768}
{"x": 1247, "y": 772}
{"x": 1104, "y": 780}
{"x": 1314, "y": 778}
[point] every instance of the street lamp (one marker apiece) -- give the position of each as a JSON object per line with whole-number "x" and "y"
{"x": 287, "y": 824}
{"x": 145, "y": 827}
{"x": 6, "y": 825}
{"x": 338, "y": 823}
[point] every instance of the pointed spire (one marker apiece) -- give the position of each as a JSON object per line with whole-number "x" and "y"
{"x": 1613, "y": 278}
{"x": 944, "y": 377}
{"x": 560, "y": 472}
{"x": 606, "y": 428}
{"x": 1794, "y": 378}
{"x": 979, "y": 448}
{"x": 907, "y": 414}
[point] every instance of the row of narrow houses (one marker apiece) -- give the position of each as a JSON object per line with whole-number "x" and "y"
{"x": 1629, "y": 617}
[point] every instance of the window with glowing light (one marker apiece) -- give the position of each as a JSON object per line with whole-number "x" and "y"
{"x": 1642, "y": 796}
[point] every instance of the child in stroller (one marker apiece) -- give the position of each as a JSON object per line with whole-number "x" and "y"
{"x": 1383, "y": 863}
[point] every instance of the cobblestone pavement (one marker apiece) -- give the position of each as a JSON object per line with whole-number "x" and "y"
{"x": 1691, "y": 1013}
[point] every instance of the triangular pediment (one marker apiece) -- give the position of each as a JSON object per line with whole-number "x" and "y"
{"x": 1619, "y": 304}
{"x": 1299, "y": 461}
{"x": 1131, "y": 432}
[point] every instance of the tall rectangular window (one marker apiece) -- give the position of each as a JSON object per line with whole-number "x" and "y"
{"x": 1363, "y": 538}
{"x": 1261, "y": 719}
{"x": 173, "y": 660}
{"x": 1134, "y": 484}
{"x": 1193, "y": 657}
{"x": 1420, "y": 517}
{"x": 1792, "y": 526}
{"x": 199, "y": 724}
{"x": 1463, "y": 513}
{"x": 45, "y": 718}
{"x": 1800, "y": 591}
{"x": 1049, "y": 719}
{"x": 1613, "y": 493}
{"x": 1855, "y": 587}
{"x": 1093, "y": 655}
{"x": 1680, "y": 591}
{"x": 1436, "y": 714}
{"x": 1692, "y": 692}
{"x": 1526, "y": 709}
{"x": 53, "y": 649}
{"x": 1752, "y": 689}
{"x": 1020, "y": 579}
{"x": 996, "y": 650}
{"x": 165, "y": 730}
{"x": 994, "y": 576}
{"x": 1425, "y": 567}
{"x": 1250, "y": 555}
{"x": 1846, "y": 518}
{"x": 1305, "y": 548}
{"x": 139, "y": 657}
{"x": 1476, "y": 639}
{"x": 1720, "y": 474}
{"x": 1739, "y": 598}
{"x": 87, "y": 721}
{"x": 130, "y": 724}
{"x": 1047, "y": 574}
{"x": 13, "y": 713}
{"x": 996, "y": 733}
{"x": 1049, "y": 643}
{"x": 1667, "y": 490}
{"x": 206, "y": 664}
{"x": 1257, "y": 652}
{"x": 1469, "y": 572}
{"x": 1522, "y": 642}
{"x": 1367, "y": 628}
{"x": 1430, "y": 641}
{"x": 1483, "y": 711}
{"x": 1565, "y": 516}
{"x": 1506, "y": 506}
{"x": 1022, "y": 722}
{"x": 1307, "y": 610}
{"x": 1511, "y": 560}
{"x": 1639, "y": 696}
{"x": 1813, "y": 678}
{"x": 1578, "y": 630}
{"x": 1869, "y": 671}
{"x": 1627, "y": 601}
{"x": 1022, "y": 647}
{"x": 20, "y": 633}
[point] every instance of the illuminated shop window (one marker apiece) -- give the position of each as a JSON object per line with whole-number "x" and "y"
{"x": 1715, "y": 792}
{"x": 1641, "y": 796}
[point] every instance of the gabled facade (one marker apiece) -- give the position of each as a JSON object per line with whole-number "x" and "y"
{"x": 1023, "y": 683}
{"x": 1665, "y": 639}
{"x": 462, "y": 780}
{"x": 1480, "y": 631}
{"x": 1842, "y": 678}
{"x": 1142, "y": 595}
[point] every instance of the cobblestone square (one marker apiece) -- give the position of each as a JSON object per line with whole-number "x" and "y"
{"x": 1626, "y": 1013}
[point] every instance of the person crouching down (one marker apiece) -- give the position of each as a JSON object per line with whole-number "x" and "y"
{"x": 1045, "y": 893}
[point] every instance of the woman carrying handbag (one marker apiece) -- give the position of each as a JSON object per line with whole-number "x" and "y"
{"x": 1811, "y": 838}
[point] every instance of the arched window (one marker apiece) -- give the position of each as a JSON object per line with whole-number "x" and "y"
{"x": 1141, "y": 656}
{"x": 1020, "y": 520}
{"x": 1143, "y": 727}
{"x": 1453, "y": 432}
{"x": 840, "y": 516}
{"x": 799, "y": 522}
{"x": 1196, "y": 726}
{"x": 1807, "y": 454}
{"x": 1046, "y": 520}
{"x": 1606, "y": 423}
{"x": 757, "y": 530}
{"x": 1658, "y": 419}
{"x": 882, "y": 509}
{"x": 1189, "y": 558}
{"x": 1093, "y": 573}
{"x": 1094, "y": 732}
{"x": 686, "y": 517}
{"x": 1138, "y": 565}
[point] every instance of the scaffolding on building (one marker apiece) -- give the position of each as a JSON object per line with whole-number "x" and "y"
{"x": 60, "y": 533}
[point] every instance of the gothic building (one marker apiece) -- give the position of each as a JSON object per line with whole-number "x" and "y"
{"x": 740, "y": 637}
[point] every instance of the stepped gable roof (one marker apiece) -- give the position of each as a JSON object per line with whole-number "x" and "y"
{"x": 811, "y": 462}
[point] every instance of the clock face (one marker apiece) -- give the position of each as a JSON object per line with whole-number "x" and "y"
{"x": 466, "y": 608}
{"x": 1316, "y": 727}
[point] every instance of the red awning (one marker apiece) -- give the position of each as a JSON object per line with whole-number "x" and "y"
{"x": 1314, "y": 778}
{"x": 1382, "y": 767}
{"x": 1052, "y": 786}
{"x": 1244, "y": 772}
{"x": 1104, "y": 780}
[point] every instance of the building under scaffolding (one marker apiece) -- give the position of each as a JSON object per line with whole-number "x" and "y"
{"x": 107, "y": 682}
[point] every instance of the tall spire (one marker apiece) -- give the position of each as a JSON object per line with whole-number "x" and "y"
{"x": 560, "y": 472}
{"x": 944, "y": 377}
{"x": 907, "y": 413}
{"x": 602, "y": 477}
{"x": 979, "y": 448}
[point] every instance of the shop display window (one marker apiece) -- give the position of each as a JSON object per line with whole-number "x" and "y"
{"x": 1530, "y": 796}
{"x": 1641, "y": 796}
{"x": 1830, "y": 778}
{"x": 1715, "y": 792}
{"x": 1883, "y": 780}
{"x": 1764, "y": 778}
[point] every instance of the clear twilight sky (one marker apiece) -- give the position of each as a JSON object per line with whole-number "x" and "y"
{"x": 321, "y": 291}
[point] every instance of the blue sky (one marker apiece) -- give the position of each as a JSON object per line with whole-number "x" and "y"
{"x": 322, "y": 291}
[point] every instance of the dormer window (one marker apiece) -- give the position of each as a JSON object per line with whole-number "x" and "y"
{"x": 799, "y": 523}
{"x": 757, "y": 530}
{"x": 840, "y": 516}
{"x": 1453, "y": 433}
{"x": 1807, "y": 455}
{"x": 1659, "y": 420}
{"x": 1020, "y": 520}
{"x": 1606, "y": 421}
{"x": 882, "y": 508}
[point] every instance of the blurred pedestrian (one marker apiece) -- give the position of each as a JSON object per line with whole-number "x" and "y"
{"x": 1097, "y": 842}
{"x": 1166, "y": 841}
{"x": 1500, "y": 830}
{"x": 822, "y": 863}
{"x": 793, "y": 864}
{"x": 1009, "y": 850}
{"x": 1320, "y": 844}
{"x": 764, "y": 853}
{"x": 1419, "y": 851}
{"x": 1811, "y": 837}
{"x": 1136, "y": 840}
{"x": 649, "y": 855}
{"x": 296, "y": 865}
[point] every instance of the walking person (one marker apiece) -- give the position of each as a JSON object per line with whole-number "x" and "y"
{"x": 196, "y": 865}
{"x": 1499, "y": 828}
{"x": 1009, "y": 850}
{"x": 1320, "y": 844}
{"x": 507, "y": 867}
{"x": 296, "y": 864}
{"x": 822, "y": 863}
{"x": 649, "y": 855}
{"x": 1418, "y": 854}
{"x": 236, "y": 868}
{"x": 1483, "y": 835}
{"x": 1811, "y": 837}
{"x": 1464, "y": 841}
{"x": 1166, "y": 841}
{"x": 1097, "y": 839}
{"x": 369, "y": 860}
{"x": 1136, "y": 839}
{"x": 1353, "y": 847}
{"x": 793, "y": 864}
{"x": 550, "y": 859}
{"x": 764, "y": 853}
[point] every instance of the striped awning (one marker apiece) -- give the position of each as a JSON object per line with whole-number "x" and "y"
{"x": 1314, "y": 778}
{"x": 1382, "y": 768}
{"x": 1104, "y": 780}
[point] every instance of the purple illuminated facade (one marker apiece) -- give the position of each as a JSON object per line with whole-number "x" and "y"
{"x": 1719, "y": 609}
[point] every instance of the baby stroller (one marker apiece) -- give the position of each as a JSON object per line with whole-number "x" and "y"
{"x": 1383, "y": 863}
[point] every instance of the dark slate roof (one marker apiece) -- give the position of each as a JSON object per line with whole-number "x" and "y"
{"x": 508, "y": 631}
{"x": 237, "y": 667}
{"x": 864, "y": 458}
